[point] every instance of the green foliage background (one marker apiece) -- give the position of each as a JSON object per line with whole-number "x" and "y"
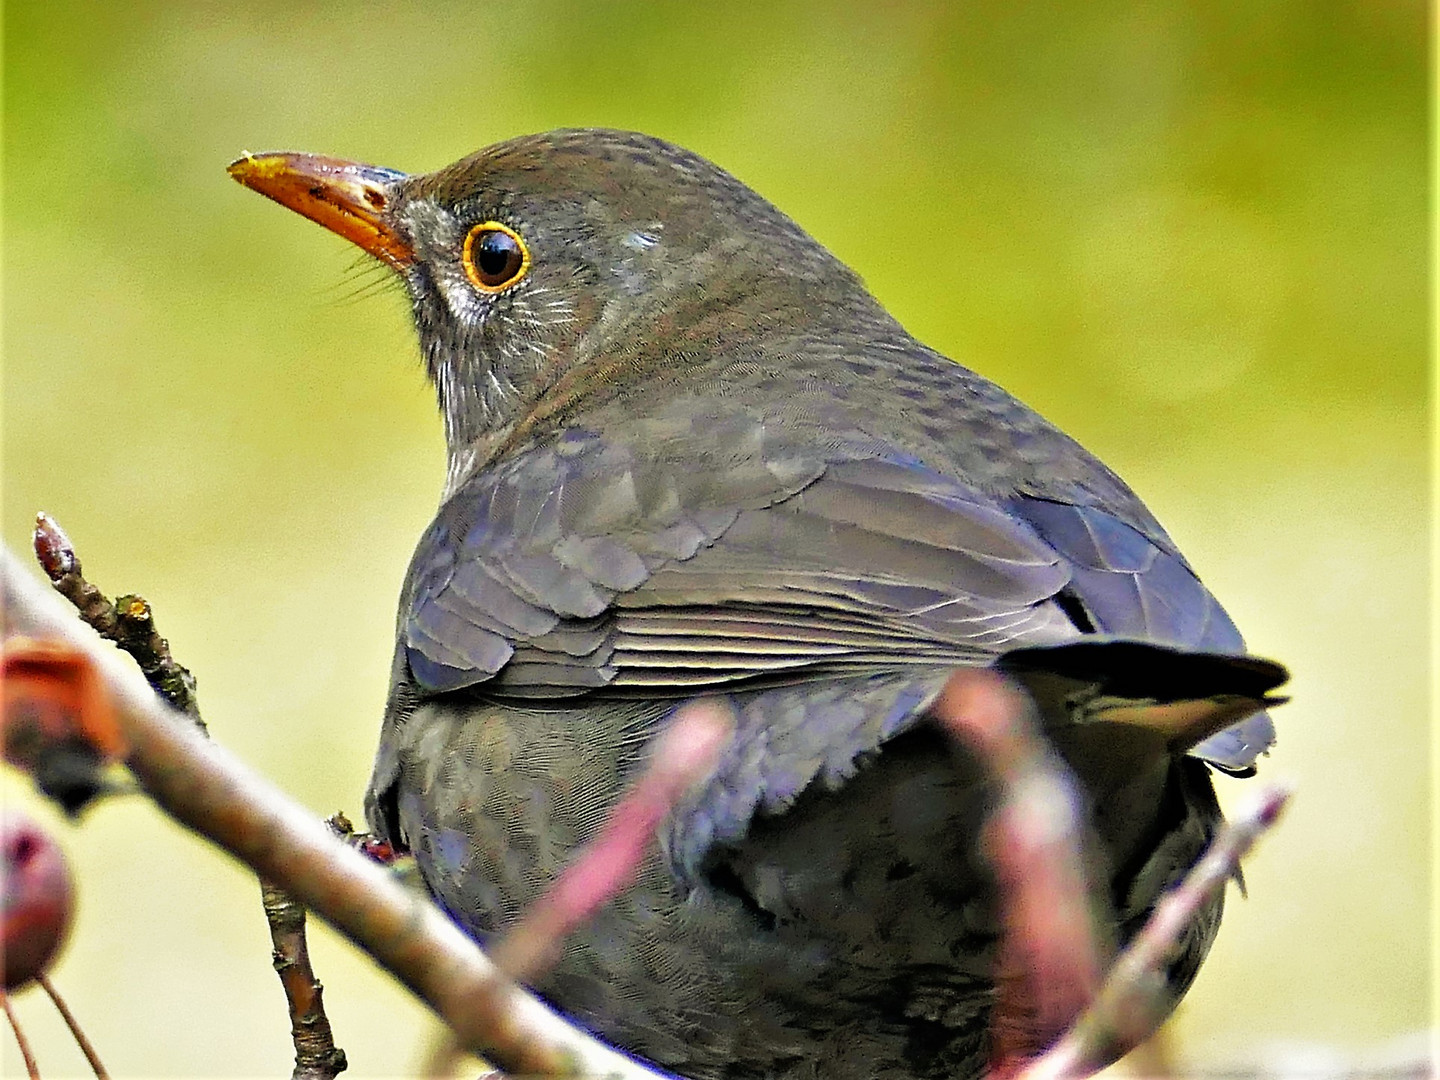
{"x": 1193, "y": 234}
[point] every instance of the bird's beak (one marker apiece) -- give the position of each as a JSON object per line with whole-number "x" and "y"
{"x": 346, "y": 197}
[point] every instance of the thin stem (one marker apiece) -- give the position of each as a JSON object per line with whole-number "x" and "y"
{"x": 1131, "y": 1000}
{"x": 74, "y": 1025}
{"x": 1050, "y": 955}
{"x": 31, "y": 1069}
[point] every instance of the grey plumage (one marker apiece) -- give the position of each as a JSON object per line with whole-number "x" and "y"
{"x": 689, "y": 453}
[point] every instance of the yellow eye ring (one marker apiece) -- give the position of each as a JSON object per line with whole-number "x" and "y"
{"x": 494, "y": 257}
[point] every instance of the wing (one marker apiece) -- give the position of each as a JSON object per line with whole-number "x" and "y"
{"x": 693, "y": 562}
{"x": 668, "y": 565}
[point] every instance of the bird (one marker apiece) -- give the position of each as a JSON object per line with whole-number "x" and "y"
{"x": 689, "y": 454}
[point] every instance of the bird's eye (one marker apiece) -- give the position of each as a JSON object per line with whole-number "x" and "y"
{"x": 495, "y": 257}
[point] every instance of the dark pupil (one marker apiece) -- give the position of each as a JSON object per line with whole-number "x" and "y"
{"x": 497, "y": 257}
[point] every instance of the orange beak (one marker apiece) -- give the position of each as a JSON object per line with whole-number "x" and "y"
{"x": 346, "y": 197}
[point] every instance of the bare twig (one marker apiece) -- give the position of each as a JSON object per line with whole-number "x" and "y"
{"x": 212, "y": 793}
{"x": 1049, "y": 967}
{"x": 316, "y": 1055}
{"x": 1133, "y": 999}
{"x": 26, "y": 1054}
{"x": 76, "y": 1031}
{"x": 128, "y": 622}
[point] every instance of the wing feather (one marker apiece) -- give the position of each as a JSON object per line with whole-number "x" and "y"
{"x": 680, "y": 563}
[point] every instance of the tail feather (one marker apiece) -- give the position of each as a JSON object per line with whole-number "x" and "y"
{"x": 1211, "y": 705}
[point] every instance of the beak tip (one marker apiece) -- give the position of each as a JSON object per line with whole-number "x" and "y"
{"x": 250, "y": 168}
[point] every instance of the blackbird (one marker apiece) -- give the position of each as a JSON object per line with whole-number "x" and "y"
{"x": 690, "y": 454}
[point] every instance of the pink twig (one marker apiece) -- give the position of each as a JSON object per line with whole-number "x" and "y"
{"x": 1049, "y": 968}
{"x": 684, "y": 755}
{"x": 1134, "y": 998}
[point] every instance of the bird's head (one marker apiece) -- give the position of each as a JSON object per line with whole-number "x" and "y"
{"x": 570, "y": 258}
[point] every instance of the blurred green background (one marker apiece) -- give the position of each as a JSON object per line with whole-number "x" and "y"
{"x": 1194, "y": 235}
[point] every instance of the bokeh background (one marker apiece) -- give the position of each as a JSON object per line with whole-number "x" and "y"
{"x": 1193, "y": 234}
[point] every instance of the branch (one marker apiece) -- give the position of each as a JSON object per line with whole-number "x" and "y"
{"x": 684, "y": 754}
{"x": 1133, "y": 999}
{"x": 1049, "y": 965}
{"x": 316, "y": 1055}
{"x": 1048, "y": 980}
{"x": 212, "y": 793}
{"x": 130, "y": 623}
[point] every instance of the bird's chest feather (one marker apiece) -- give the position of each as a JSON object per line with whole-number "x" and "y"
{"x": 799, "y": 937}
